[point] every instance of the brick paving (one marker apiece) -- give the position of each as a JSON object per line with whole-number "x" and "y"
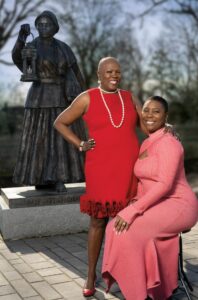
{"x": 55, "y": 268}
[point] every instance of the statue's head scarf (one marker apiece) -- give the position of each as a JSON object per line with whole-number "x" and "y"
{"x": 51, "y": 16}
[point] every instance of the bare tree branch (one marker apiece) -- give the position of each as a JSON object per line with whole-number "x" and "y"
{"x": 179, "y": 7}
{"x": 186, "y": 10}
{"x": 13, "y": 15}
{"x": 7, "y": 63}
{"x": 151, "y": 7}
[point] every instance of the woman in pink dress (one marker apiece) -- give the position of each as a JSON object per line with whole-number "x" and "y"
{"x": 141, "y": 248}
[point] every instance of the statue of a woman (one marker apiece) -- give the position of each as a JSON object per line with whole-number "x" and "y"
{"x": 45, "y": 159}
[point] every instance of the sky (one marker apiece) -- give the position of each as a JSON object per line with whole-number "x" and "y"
{"x": 146, "y": 33}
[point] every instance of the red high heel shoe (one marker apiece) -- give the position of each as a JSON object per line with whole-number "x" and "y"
{"x": 89, "y": 292}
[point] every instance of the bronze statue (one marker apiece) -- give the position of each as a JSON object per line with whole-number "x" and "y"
{"x": 45, "y": 159}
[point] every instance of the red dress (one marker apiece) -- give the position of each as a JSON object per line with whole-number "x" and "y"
{"x": 110, "y": 181}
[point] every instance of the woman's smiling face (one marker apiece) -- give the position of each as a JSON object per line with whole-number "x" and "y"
{"x": 109, "y": 74}
{"x": 153, "y": 115}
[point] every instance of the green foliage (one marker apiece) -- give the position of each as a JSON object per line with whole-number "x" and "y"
{"x": 189, "y": 140}
{"x": 178, "y": 113}
{"x": 8, "y": 156}
{"x": 11, "y": 119}
{"x": 3, "y": 122}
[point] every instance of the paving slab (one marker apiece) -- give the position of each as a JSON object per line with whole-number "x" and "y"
{"x": 55, "y": 268}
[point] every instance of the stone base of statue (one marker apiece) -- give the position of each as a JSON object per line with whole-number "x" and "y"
{"x": 26, "y": 212}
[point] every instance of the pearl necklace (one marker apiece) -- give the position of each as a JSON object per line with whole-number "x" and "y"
{"x": 109, "y": 112}
{"x": 107, "y": 92}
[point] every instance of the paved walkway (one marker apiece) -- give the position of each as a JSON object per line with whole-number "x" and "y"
{"x": 55, "y": 268}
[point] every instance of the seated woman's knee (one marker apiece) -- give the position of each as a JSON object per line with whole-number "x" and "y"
{"x": 99, "y": 223}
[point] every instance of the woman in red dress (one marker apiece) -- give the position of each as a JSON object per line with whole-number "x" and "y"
{"x": 111, "y": 151}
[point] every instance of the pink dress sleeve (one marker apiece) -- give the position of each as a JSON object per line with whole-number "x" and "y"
{"x": 169, "y": 153}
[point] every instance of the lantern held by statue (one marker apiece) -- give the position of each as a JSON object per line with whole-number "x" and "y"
{"x": 29, "y": 54}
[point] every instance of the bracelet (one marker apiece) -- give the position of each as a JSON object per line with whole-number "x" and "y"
{"x": 81, "y": 146}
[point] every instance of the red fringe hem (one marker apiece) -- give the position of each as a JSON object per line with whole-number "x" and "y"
{"x": 98, "y": 209}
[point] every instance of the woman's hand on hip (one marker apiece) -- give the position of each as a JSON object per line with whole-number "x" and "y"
{"x": 87, "y": 145}
{"x": 120, "y": 225}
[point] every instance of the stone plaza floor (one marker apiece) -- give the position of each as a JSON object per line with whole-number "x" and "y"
{"x": 55, "y": 268}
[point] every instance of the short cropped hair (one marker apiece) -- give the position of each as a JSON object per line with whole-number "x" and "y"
{"x": 160, "y": 100}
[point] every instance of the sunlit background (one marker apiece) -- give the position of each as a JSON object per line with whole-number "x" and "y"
{"x": 155, "y": 41}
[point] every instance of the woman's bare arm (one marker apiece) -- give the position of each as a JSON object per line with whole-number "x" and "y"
{"x": 77, "y": 108}
{"x": 138, "y": 106}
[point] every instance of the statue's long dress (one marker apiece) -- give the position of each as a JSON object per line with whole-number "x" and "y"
{"x": 44, "y": 157}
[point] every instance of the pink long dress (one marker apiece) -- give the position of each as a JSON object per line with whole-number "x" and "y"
{"x": 144, "y": 260}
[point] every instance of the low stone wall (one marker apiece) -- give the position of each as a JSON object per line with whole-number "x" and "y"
{"x": 26, "y": 212}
